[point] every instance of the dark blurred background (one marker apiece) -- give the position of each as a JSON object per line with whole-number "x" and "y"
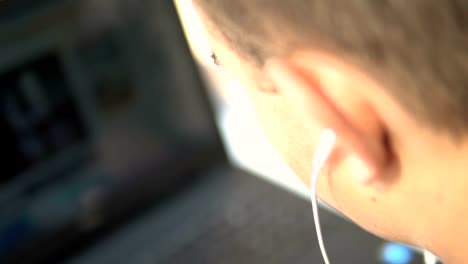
{"x": 110, "y": 152}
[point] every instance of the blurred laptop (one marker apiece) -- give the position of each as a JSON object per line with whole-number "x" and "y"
{"x": 102, "y": 112}
{"x": 111, "y": 153}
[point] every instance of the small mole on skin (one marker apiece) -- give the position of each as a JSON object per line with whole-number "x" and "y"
{"x": 373, "y": 199}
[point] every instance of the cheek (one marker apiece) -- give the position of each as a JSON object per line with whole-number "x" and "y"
{"x": 289, "y": 135}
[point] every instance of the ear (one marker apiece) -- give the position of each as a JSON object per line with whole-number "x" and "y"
{"x": 329, "y": 99}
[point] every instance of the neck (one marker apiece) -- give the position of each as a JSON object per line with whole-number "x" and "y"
{"x": 447, "y": 227}
{"x": 450, "y": 241}
{"x": 453, "y": 254}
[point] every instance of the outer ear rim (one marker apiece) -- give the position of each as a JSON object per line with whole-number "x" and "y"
{"x": 292, "y": 83}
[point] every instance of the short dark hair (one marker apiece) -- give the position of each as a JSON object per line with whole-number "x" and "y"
{"x": 418, "y": 49}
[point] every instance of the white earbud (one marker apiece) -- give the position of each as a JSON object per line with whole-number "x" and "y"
{"x": 322, "y": 153}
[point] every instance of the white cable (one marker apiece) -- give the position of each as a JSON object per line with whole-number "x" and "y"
{"x": 321, "y": 155}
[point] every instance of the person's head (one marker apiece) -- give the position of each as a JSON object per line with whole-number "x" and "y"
{"x": 390, "y": 77}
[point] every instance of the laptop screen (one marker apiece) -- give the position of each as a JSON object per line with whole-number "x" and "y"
{"x": 102, "y": 112}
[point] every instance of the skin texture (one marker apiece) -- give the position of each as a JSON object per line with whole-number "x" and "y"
{"x": 390, "y": 173}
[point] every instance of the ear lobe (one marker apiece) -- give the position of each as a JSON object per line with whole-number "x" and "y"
{"x": 366, "y": 157}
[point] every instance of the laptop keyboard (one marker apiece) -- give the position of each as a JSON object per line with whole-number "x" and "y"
{"x": 232, "y": 217}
